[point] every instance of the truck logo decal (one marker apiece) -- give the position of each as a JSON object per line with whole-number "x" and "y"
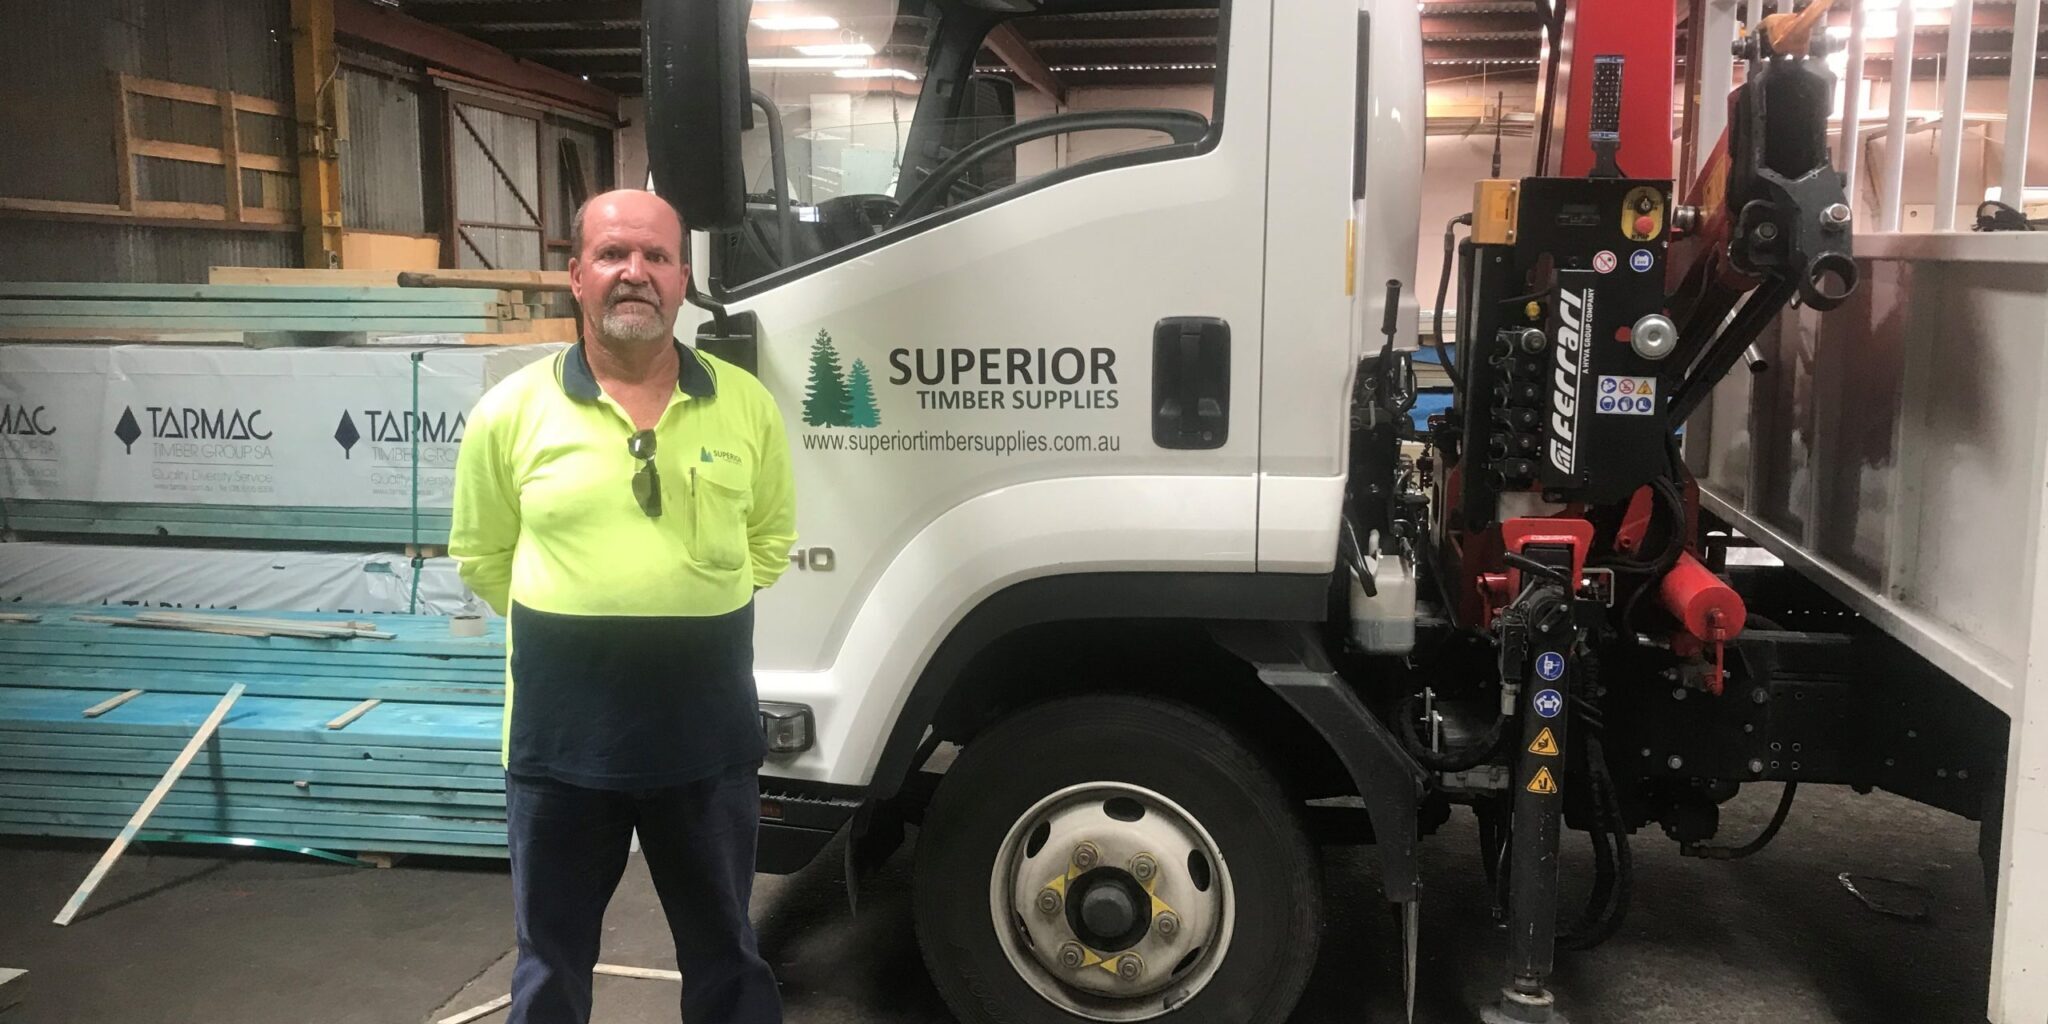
{"x": 1564, "y": 391}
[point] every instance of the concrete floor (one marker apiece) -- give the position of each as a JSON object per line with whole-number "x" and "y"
{"x": 182, "y": 937}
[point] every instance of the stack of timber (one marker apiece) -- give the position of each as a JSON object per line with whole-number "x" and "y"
{"x": 254, "y": 523}
{"x": 364, "y": 733}
{"x": 255, "y": 314}
{"x": 546, "y": 292}
{"x": 351, "y": 446}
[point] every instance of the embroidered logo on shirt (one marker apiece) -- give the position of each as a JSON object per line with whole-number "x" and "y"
{"x": 718, "y": 455}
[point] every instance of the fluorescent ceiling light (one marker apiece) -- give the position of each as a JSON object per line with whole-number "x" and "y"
{"x": 907, "y": 76}
{"x": 813, "y": 23}
{"x": 837, "y": 50}
{"x": 813, "y": 63}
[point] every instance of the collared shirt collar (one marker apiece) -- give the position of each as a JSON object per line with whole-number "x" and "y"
{"x": 693, "y": 378}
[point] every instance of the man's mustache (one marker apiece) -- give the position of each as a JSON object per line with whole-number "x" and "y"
{"x": 631, "y": 296}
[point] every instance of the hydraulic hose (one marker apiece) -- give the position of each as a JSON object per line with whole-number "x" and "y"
{"x": 1756, "y": 845}
{"x": 1614, "y": 870}
{"x": 1443, "y": 287}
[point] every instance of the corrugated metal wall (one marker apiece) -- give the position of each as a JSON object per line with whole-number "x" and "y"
{"x": 497, "y": 182}
{"x": 32, "y": 250}
{"x": 381, "y": 166}
{"x": 58, "y": 63}
{"x": 590, "y": 148}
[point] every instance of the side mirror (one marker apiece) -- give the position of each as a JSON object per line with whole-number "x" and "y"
{"x": 696, "y": 74}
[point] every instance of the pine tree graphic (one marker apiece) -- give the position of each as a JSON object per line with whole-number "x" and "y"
{"x": 860, "y": 398}
{"x": 825, "y": 399}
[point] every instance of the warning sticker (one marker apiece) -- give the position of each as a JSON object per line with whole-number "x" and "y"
{"x": 1604, "y": 261}
{"x": 1543, "y": 784}
{"x": 1626, "y": 396}
{"x": 1545, "y": 743}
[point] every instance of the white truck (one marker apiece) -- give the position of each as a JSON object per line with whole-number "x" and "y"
{"x": 1106, "y": 477}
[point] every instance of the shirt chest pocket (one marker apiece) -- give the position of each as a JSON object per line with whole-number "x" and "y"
{"x": 720, "y": 502}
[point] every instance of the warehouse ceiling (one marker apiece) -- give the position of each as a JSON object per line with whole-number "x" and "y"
{"x": 600, "y": 39}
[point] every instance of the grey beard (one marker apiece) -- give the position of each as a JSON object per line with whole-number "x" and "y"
{"x": 631, "y": 328}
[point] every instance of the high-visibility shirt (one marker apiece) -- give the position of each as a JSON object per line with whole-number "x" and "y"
{"x": 630, "y": 636}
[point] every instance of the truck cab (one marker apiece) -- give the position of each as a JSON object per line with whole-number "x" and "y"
{"x": 1067, "y": 375}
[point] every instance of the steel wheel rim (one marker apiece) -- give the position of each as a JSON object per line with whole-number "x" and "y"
{"x": 1190, "y": 882}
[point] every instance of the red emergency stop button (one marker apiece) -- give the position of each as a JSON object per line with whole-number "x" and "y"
{"x": 1646, "y": 226}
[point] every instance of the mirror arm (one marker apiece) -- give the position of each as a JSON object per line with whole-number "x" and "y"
{"x": 778, "y": 165}
{"x": 720, "y": 317}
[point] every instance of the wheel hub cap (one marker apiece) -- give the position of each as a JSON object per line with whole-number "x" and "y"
{"x": 1144, "y": 902}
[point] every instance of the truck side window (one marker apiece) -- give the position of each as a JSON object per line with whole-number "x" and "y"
{"x": 888, "y": 114}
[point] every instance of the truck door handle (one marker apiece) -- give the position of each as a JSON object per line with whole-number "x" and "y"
{"x": 1190, "y": 382}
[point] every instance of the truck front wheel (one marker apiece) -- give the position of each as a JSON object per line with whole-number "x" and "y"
{"x": 1113, "y": 858}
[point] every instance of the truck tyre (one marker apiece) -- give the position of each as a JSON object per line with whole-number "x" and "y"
{"x": 1114, "y": 858}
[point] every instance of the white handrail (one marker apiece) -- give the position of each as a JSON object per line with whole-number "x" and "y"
{"x": 2019, "y": 104}
{"x": 1852, "y": 101}
{"x": 1951, "y": 132}
{"x": 1890, "y": 215}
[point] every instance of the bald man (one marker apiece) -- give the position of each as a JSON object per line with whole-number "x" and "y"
{"x": 620, "y": 503}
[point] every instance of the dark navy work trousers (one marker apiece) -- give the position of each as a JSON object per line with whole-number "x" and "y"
{"x": 569, "y": 847}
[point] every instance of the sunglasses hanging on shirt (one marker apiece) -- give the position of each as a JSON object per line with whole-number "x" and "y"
{"x": 647, "y": 481}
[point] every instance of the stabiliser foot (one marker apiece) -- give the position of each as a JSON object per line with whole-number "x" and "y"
{"x": 1523, "y": 1008}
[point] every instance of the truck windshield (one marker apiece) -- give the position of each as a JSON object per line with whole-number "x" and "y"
{"x": 853, "y": 108}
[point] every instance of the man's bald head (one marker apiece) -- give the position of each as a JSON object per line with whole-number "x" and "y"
{"x": 630, "y": 270}
{"x": 616, "y": 195}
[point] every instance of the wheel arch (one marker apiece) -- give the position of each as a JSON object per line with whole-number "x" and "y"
{"x": 1130, "y": 632}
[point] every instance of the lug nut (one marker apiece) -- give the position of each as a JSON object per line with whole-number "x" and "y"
{"x": 1048, "y": 902}
{"x": 1143, "y": 867}
{"x": 1128, "y": 967}
{"x": 1168, "y": 924}
{"x": 1835, "y": 214}
{"x": 1085, "y": 856}
{"x": 1072, "y": 956}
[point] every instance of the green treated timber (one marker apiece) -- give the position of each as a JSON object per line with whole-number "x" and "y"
{"x": 271, "y": 748}
{"x": 394, "y": 534}
{"x": 338, "y": 324}
{"x": 353, "y": 669}
{"x": 366, "y": 836}
{"x": 307, "y": 816}
{"x": 303, "y": 515}
{"x": 250, "y": 292}
{"x": 129, "y": 641}
{"x": 263, "y": 718}
{"x": 399, "y": 624}
{"x": 484, "y": 648}
{"x": 129, "y": 761}
{"x": 288, "y": 662}
{"x": 270, "y": 791}
{"x": 179, "y": 311}
{"x": 203, "y": 801}
{"x": 150, "y": 836}
{"x": 200, "y": 773}
{"x": 308, "y": 732}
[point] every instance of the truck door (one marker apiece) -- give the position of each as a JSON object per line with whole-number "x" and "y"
{"x": 1037, "y": 357}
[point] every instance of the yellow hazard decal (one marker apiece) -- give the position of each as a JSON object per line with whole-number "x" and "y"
{"x": 1542, "y": 784}
{"x": 1544, "y": 743}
